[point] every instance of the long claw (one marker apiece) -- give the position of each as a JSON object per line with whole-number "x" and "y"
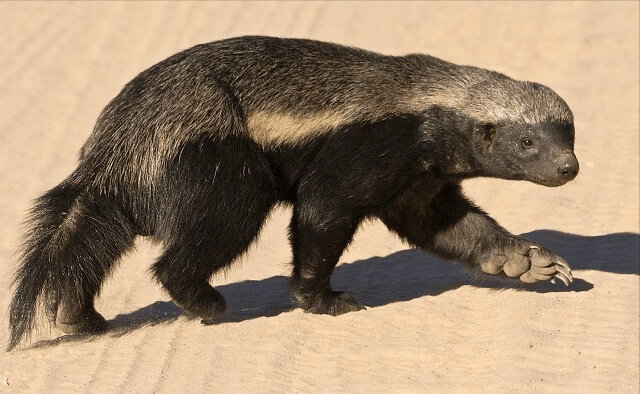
{"x": 563, "y": 278}
{"x": 566, "y": 271}
{"x": 548, "y": 271}
{"x": 543, "y": 268}
{"x": 563, "y": 263}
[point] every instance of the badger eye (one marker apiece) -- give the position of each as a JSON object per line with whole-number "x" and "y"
{"x": 527, "y": 142}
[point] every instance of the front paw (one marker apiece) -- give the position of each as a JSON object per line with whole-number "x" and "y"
{"x": 546, "y": 266}
{"x": 530, "y": 263}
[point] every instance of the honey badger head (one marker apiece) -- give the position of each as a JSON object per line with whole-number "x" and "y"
{"x": 522, "y": 131}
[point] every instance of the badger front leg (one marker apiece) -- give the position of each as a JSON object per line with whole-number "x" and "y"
{"x": 448, "y": 225}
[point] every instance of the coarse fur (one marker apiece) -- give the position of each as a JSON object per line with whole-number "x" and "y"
{"x": 195, "y": 151}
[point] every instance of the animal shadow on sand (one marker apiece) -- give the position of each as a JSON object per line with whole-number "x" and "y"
{"x": 401, "y": 276}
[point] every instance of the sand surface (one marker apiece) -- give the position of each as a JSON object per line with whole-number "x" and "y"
{"x": 430, "y": 326}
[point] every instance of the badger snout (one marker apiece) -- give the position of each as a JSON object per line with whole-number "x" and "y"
{"x": 566, "y": 169}
{"x": 569, "y": 168}
{"x": 554, "y": 173}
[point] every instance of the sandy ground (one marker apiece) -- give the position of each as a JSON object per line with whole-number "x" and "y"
{"x": 430, "y": 326}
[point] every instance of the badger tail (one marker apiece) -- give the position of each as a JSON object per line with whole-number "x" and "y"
{"x": 73, "y": 239}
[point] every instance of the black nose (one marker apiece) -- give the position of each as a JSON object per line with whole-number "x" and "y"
{"x": 569, "y": 169}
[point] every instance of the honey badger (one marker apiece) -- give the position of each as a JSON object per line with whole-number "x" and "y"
{"x": 195, "y": 152}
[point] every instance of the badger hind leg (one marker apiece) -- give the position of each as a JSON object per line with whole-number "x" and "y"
{"x": 218, "y": 194}
{"x": 74, "y": 240}
{"x": 101, "y": 234}
{"x": 190, "y": 288}
{"x": 71, "y": 319}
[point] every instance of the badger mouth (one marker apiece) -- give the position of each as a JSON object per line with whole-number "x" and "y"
{"x": 555, "y": 179}
{"x": 551, "y": 182}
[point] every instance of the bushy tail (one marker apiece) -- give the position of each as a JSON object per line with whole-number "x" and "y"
{"x": 71, "y": 243}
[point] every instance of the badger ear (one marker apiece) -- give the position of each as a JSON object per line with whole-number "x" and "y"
{"x": 485, "y": 133}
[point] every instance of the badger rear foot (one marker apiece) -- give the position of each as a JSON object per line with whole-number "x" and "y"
{"x": 73, "y": 319}
{"x": 202, "y": 300}
{"x": 185, "y": 275}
